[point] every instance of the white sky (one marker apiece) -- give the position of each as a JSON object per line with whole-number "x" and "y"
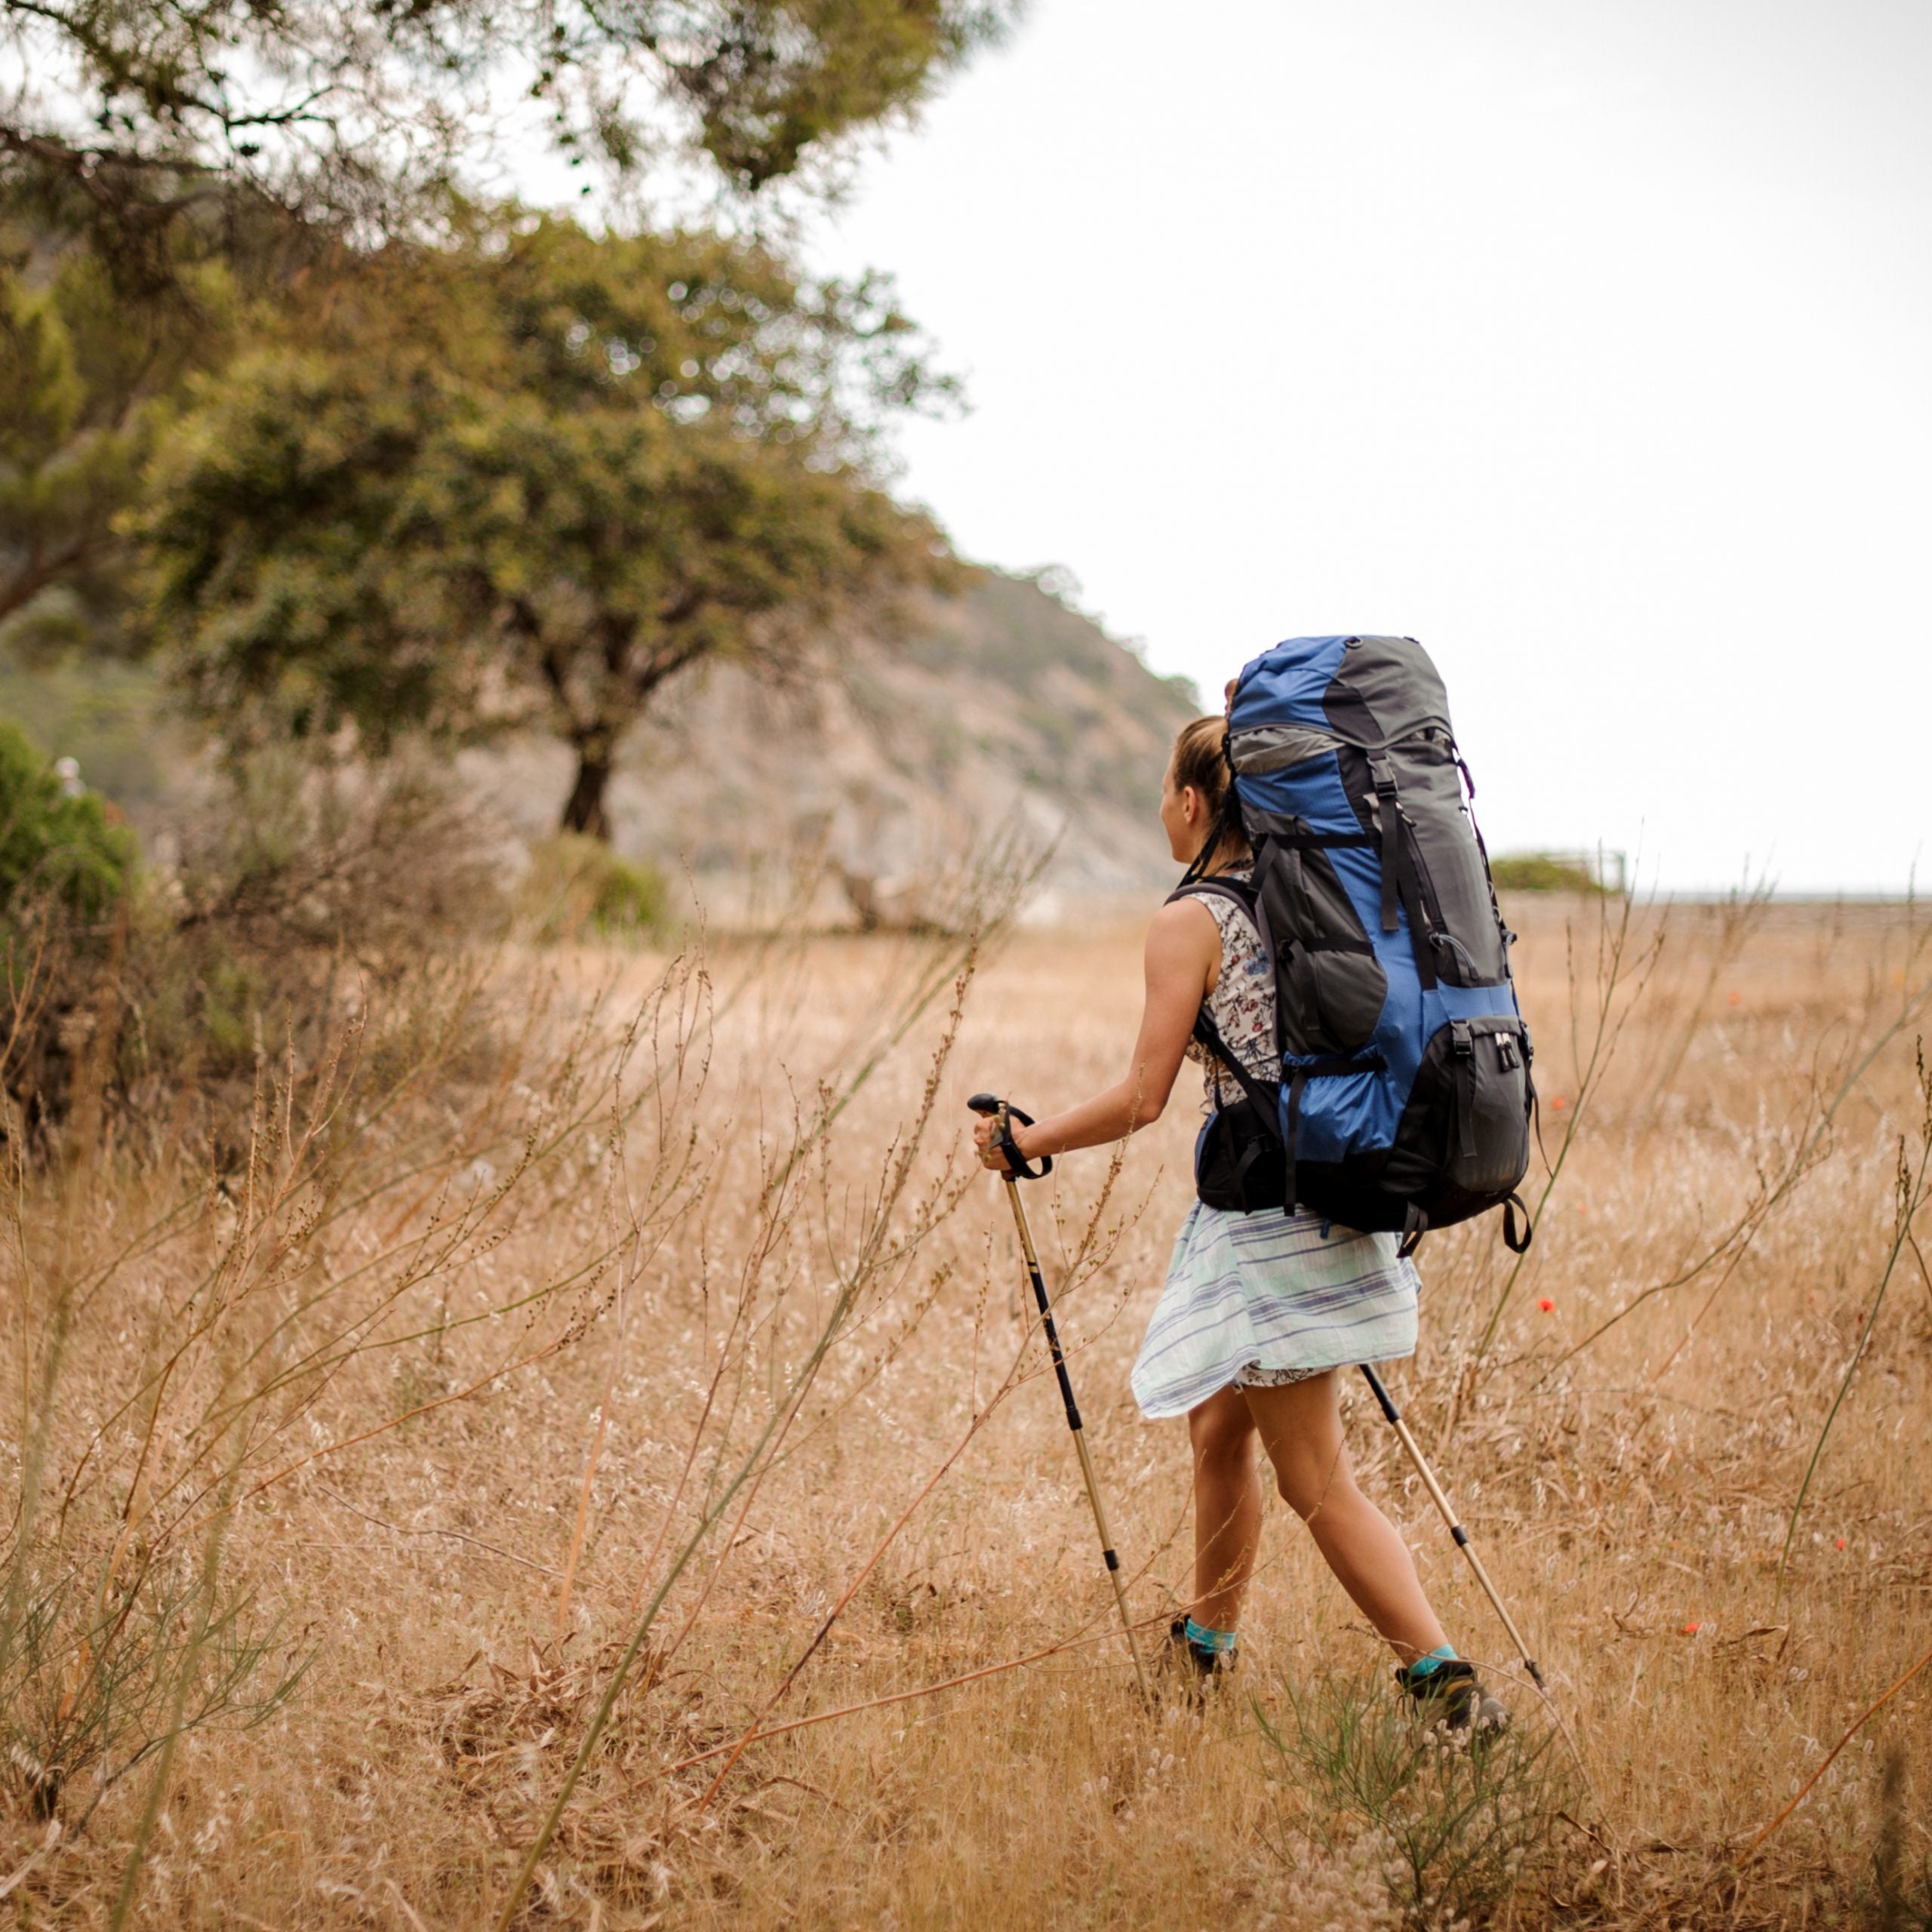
{"x": 1587, "y": 343}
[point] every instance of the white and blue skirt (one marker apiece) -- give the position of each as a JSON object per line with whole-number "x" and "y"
{"x": 1269, "y": 1298}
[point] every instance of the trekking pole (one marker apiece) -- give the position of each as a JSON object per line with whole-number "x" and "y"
{"x": 1455, "y": 1530}
{"x": 1016, "y": 1170}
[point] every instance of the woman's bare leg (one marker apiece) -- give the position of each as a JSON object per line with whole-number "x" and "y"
{"x": 1227, "y": 1506}
{"x": 1301, "y": 1429}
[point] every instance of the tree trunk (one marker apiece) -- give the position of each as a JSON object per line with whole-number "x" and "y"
{"x": 584, "y": 810}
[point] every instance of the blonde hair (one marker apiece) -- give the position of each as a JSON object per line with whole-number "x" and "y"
{"x": 1201, "y": 759}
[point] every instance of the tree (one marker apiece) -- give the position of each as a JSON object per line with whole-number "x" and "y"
{"x": 145, "y": 144}
{"x": 353, "y": 111}
{"x": 531, "y": 481}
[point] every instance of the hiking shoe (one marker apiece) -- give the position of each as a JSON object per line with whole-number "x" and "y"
{"x": 1193, "y": 1671}
{"x": 1452, "y": 1696}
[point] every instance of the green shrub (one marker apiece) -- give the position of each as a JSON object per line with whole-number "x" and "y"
{"x": 1542, "y": 871}
{"x": 1456, "y": 1823}
{"x": 54, "y": 849}
{"x": 578, "y": 888}
{"x": 115, "y": 719}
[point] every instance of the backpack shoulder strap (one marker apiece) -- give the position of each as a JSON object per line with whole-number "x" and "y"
{"x": 1209, "y": 1035}
{"x": 1244, "y": 895}
{"x": 1242, "y": 891}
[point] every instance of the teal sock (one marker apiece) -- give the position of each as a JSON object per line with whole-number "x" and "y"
{"x": 1218, "y": 1642}
{"x": 1428, "y": 1666}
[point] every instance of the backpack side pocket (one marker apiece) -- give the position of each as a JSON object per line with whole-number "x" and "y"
{"x": 1238, "y": 1163}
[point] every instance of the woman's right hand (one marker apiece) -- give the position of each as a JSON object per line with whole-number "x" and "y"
{"x": 985, "y": 1139}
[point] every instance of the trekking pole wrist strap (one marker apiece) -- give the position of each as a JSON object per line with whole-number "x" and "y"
{"x": 1016, "y": 1161}
{"x": 1006, "y": 1113}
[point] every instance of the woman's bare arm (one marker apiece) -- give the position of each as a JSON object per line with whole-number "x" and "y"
{"x": 1183, "y": 958}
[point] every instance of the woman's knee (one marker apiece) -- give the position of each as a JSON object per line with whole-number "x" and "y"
{"x": 1301, "y": 1429}
{"x": 1221, "y": 1430}
{"x": 1309, "y": 1483}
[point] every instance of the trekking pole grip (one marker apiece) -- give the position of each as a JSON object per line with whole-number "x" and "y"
{"x": 1006, "y": 1113}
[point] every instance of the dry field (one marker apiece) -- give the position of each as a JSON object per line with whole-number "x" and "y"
{"x": 432, "y": 1502}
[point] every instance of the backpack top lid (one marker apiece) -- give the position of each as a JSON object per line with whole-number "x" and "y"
{"x": 1368, "y": 691}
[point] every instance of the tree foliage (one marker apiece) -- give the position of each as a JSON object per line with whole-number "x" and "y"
{"x": 528, "y": 481}
{"x": 87, "y": 382}
{"x": 357, "y": 109}
{"x": 179, "y": 176}
{"x": 469, "y": 469}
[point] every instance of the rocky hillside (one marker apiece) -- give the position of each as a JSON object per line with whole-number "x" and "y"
{"x": 895, "y": 753}
{"x": 891, "y": 756}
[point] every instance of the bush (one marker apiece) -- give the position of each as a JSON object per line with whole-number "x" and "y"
{"x": 65, "y": 867}
{"x": 56, "y": 850}
{"x": 308, "y": 893}
{"x": 310, "y": 896}
{"x": 1456, "y": 1823}
{"x": 379, "y": 863}
{"x": 114, "y": 718}
{"x": 578, "y": 886}
{"x": 1543, "y": 872}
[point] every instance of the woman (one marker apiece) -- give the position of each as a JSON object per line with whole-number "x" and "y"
{"x": 1260, "y": 1310}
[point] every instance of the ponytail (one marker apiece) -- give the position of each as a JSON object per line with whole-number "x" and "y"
{"x": 1200, "y": 760}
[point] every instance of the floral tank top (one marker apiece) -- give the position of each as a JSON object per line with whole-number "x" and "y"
{"x": 1241, "y": 1005}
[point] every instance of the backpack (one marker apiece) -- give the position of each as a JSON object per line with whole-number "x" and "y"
{"x": 1405, "y": 1091}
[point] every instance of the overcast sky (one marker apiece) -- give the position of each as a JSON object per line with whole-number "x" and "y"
{"x": 1587, "y": 343}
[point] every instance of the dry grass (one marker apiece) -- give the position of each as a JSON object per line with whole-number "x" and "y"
{"x": 361, "y": 1492}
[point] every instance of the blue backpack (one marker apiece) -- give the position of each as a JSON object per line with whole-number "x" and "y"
{"x": 1405, "y": 1097}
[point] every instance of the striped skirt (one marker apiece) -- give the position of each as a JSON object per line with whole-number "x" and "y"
{"x": 1269, "y": 1292}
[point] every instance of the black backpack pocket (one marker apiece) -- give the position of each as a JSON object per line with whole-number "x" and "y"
{"x": 1332, "y": 988}
{"x": 1343, "y": 990}
{"x": 1463, "y": 1142}
{"x": 1239, "y": 1164}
